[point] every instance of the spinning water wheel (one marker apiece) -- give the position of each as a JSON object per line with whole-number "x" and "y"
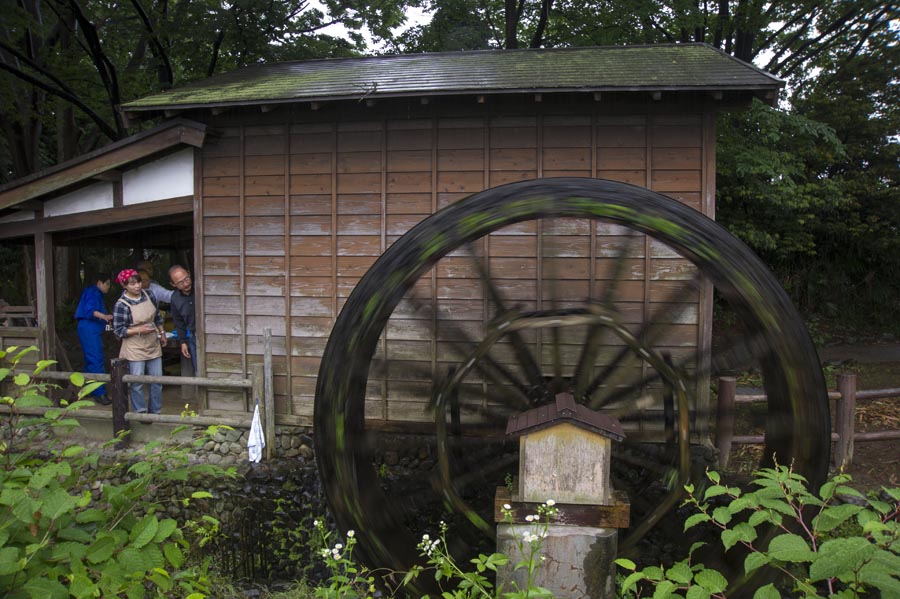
{"x": 633, "y": 360}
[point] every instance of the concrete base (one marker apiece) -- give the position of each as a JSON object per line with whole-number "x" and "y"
{"x": 579, "y": 560}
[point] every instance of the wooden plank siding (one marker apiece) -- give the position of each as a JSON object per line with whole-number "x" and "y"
{"x": 293, "y": 214}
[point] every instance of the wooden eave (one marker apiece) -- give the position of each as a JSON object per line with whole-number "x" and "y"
{"x": 654, "y": 70}
{"x": 765, "y": 94}
{"x": 564, "y": 409}
{"x": 104, "y": 164}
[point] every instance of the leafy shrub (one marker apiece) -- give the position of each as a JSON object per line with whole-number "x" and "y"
{"x": 73, "y": 525}
{"x": 837, "y": 543}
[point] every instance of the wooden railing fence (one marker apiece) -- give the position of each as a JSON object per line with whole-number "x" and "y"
{"x": 844, "y": 433}
{"x": 259, "y": 387}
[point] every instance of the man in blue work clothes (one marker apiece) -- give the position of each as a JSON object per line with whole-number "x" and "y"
{"x": 181, "y": 305}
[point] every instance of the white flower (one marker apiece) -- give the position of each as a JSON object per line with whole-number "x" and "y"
{"x": 350, "y": 534}
{"x": 338, "y": 546}
{"x": 506, "y": 506}
{"x": 425, "y": 537}
{"x": 316, "y": 523}
{"x": 550, "y": 503}
{"x": 530, "y": 518}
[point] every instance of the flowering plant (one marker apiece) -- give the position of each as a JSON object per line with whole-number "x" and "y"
{"x": 476, "y": 584}
{"x": 348, "y": 579}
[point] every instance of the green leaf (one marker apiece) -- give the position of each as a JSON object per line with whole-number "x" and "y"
{"x": 91, "y": 515}
{"x": 43, "y": 365}
{"x": 631, "y": 580}
{"x": 44, "y": 588}
{"x": 201, "y": 495}
{"x": 742, "y": 533}
{"x": 696, "y": 592}
{"x": 653, "y": 573}
{"x": 713, "y": 476}
{"x": 173, "y": 555}
{"x": 767, "y": 592}
{"x": 695, "y": 519}
{"x": 626, "y": 563}
{"x": 144, "y": 531}
{"x": 81, "y": 586}
{"x": 22, "y": 379}
{"x": 790, "y": 548}
{"x": 47, "y": 472}
{"x": 722, "y": 515}
{"x": 664, "y": 590}
{"x": 680, "y": 572}
{"x": 755, "y": 560}
{"x": 166, "y": 528}
{"x": 72, "y": 451}
{"x": 101, "y": 550}
{"x": 57, "y": 502}
{"x": 77, "y": 379}
{"x": 68, "y": 552}
{"x": 714, "y": 491}
{"x": 885, "y": 580}
{"x": 711, "y": 580}
{"x": 133, "y": 561}
{"x": 9, "y": 561}
{"x": 840, "y": 556}
{"x": 833, "y": 516}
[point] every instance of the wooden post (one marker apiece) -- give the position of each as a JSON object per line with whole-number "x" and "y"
{"x": 269, "y": 389}
{"x": 844, "y": 420}
{"x": 257, "y": 393}
{"x": 725, "y": 418}
{"x": 118, "y": 393}
{"x": 44, "y": 298}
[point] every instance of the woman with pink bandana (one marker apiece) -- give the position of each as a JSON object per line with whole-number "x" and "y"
{"x": 137, "y": 322}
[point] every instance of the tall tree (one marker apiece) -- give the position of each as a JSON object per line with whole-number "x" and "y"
{"x": 65, "y": 65}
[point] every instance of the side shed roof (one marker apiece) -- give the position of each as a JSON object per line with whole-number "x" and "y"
{"x": 661, "y": 67}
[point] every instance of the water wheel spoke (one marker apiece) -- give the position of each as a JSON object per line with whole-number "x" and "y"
{"x": 527, "y": 362}
{"x": 596, "y": 332}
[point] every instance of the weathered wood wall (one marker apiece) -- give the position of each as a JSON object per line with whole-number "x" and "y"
{"x": 296, "y": 205}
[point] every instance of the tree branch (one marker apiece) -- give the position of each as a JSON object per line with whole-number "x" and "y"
{"x": 168, "y": 73}
{"x": 67, "y": 96}
{"x": 537, "y": 38}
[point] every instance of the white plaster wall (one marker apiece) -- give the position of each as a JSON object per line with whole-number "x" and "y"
{"x": 169, "y": 177}
{"x": 16, "y": 217}
{"x": 93, "y": 197}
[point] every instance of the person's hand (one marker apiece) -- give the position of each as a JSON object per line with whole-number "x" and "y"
{"x": 107, "y": 317}
{"x": 147, "y": 329}
{"x": 185, "y": 351}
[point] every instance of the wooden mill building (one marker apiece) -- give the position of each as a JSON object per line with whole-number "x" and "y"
{"x": 290, "y": 179}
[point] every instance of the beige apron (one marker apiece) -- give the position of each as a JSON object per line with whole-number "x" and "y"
{"x": 141, "y": 347}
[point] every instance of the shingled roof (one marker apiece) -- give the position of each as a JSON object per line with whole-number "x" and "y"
{"x": 662, "y": 67}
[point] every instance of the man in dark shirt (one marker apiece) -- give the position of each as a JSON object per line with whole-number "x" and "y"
{"x": 182, "y": 306}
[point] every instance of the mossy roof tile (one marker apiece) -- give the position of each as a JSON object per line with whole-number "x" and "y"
{"x": 621, "y": 68}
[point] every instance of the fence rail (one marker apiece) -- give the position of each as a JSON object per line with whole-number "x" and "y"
{"x": 844, "y": 435}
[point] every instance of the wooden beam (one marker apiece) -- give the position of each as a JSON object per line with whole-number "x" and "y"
{"x": 43, "y": 293}
{"x": 101, "y": 161}
{"x": 264, "y": 108}
{"x": 69, "y": 222}
{"x": 113, "y": 175}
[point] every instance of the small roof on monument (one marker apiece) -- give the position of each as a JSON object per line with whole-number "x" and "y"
{"x": 651, "y": 68}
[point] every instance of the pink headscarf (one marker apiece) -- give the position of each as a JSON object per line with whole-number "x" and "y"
{"x": 126, "y": 274}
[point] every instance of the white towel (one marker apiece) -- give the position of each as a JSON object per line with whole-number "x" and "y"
{"x": 256, "y": 441}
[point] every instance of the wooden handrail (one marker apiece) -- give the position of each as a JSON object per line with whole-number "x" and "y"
{"x": 844, "y": 436}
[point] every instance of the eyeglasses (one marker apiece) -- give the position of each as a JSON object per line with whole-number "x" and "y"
{"x": 186, "y": 279}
